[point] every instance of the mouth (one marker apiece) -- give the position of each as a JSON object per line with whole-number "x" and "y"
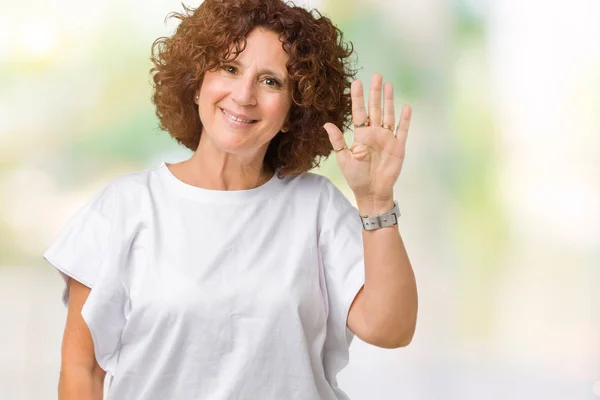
{"x": 236, "y": 118}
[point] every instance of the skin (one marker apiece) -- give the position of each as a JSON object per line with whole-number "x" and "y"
{"x": 230, "y": 157}
{"x": 80, "y": 375}
{"x": 255, "y": 85}
{"x": 384, "y": 312}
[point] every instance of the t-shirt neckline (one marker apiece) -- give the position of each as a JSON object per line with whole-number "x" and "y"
{"x": 198, "y": 193}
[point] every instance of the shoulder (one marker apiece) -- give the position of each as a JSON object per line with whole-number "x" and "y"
{"x": 132, "y": 180}
{"x": 308, "y": 188}
{"x": 319, "y": 190}
{"x": 323, "y": 188}
{"x": 311, "y": 182}
{"x": 121, "y": 198}
{"x": 129, "y": 188}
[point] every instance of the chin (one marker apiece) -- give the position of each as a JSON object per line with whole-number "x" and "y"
{"x": 234, "y": 141}
{"x": 232, "y": 144}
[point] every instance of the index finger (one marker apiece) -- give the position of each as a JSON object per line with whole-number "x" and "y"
{"x": 359, "y": 113}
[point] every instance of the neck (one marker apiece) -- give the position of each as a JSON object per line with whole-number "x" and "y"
{"x": 212, "y": 169}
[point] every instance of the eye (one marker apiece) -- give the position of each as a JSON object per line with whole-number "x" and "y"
{"x": 272, "y": 82}
{"x": 230, "y": 69}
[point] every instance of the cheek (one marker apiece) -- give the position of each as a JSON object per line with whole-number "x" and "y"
{"x": 209, "y": 97}
{"x": 210, "y": 93}
{"x": 212, "y": 87}
{"x": 278, "y": 109}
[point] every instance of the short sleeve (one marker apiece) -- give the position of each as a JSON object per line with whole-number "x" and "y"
{"x": 342, "y": 257}
{"x": 89, "y": 250}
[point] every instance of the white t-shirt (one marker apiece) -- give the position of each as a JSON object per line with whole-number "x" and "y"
{"x": 216, "y": 295}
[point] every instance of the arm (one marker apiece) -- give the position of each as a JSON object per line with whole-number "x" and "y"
{"x": 81, "y": 378}
{"x": 384, "y": 313}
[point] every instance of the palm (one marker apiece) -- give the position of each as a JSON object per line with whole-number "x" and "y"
{"x": 372, "y": 164}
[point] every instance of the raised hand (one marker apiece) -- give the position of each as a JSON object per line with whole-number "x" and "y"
{"x": 372, "y": 164}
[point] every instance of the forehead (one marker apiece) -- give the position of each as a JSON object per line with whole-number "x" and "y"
{"x": 264, "y": 49}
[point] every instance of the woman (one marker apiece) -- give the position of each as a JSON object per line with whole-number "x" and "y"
{"x": 237, "y": 274}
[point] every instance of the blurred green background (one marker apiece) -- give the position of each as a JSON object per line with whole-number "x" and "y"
{"x": 500, "y": 190}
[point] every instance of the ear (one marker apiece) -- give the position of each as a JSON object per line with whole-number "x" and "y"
{"x": 286, "y": 124}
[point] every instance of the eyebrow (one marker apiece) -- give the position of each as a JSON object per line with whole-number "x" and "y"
{"x": 267, "y": 71}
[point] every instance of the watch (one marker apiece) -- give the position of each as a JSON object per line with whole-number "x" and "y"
{"x": 389, "y": 218}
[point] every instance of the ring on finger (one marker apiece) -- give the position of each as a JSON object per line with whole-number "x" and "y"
{"x": 388, "y": 127}
{"x": 340, "y": 149}
{"x": 367, "y": 121}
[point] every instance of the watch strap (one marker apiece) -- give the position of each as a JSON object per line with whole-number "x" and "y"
{"x": 389, "y": 218}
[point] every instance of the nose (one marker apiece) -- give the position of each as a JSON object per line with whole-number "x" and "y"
{"x": 243, "y": 91}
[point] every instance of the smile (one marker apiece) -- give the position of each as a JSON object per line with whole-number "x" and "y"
{"x": 237, "y": 119}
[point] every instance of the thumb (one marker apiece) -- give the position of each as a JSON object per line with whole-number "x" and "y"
{"x": 335, "y": 136}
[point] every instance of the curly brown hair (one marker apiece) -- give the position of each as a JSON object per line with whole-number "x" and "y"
{"x": 319, "y": 69}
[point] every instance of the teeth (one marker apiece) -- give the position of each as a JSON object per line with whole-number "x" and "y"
{"x": 240, "y": 120}
{"x": 233, "y": 117}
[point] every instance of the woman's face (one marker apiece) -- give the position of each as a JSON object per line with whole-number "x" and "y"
{"x": 244, "y": 104}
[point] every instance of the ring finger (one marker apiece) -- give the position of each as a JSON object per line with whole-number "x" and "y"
{"x": 389, "y": 117}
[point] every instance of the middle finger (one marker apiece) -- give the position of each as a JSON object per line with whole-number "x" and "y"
{"x": 375, "y": 100}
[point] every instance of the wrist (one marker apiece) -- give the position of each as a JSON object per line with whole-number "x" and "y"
{"x": 372, "y": 207}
